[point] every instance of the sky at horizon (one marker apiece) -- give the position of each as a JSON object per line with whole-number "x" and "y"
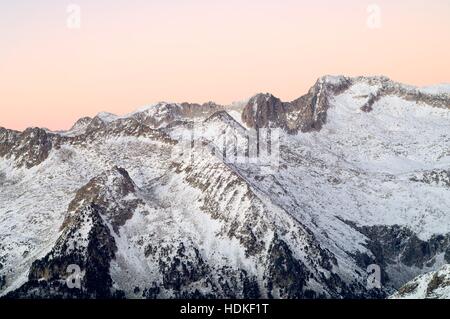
{"x": 130, "y": 53}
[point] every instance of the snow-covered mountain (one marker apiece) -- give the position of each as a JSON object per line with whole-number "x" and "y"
{"x": 433, "y": 285}
{"x": 266, "y": 198}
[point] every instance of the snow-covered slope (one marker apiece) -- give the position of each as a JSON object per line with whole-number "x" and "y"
{"x": 437, "y": 89}
{"x": 169, "y": 201}
{"x": 433, "y": 285}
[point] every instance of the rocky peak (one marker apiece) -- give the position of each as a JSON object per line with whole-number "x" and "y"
{"x": 81, "y": 124}
{"x": 408, "y": 93}
{"x": 163, "y": 113}
{"x": 224, "y": 118}
{"x": 113, "y": 190}
{"x": 31, "y": 147}
{"x": 7, "y": 140}
{"x": 264, "y": 110}
{"x": 86, "y": 241}
{"x": 307, "y": 113}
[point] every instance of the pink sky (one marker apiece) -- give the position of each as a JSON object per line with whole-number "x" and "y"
{"x": 132, "y": 53}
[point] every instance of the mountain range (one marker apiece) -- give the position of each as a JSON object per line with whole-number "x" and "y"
{"x": 341, "y": 193}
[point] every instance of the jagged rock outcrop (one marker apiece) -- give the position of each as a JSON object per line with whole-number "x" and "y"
{"x": 394, "y": 246}
{"x": 390, "y": 88}
{"x": 264, "y": 110}
{"x": 309, "y": 112}
{"x": 8, "y": 139}
{"x": 81, "y": 124}
{"x": 86, "y": 242}
{"x": 31, "y": 147}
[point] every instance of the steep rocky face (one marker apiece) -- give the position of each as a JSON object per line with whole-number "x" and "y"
{"x": 390, "y": 88}
{"x": 190, "y": 110}
{"x": 33, "y": 146}
{"x": 435, "y": 177}
{"x": 394, "y": 247}
{"x": 433, "y": 285}
{"x": 8, "y": 139}
{"x": 86, "y": 241}
{"x": 309, "y": 112}
{"x": 264, "y": 110}
{"x": 114, "y": 190}
{"x": 305, "y": 114}
{"x": 286, "y": 274}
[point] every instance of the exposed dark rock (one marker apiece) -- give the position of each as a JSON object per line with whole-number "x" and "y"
{"x": 2, "y": 281}
{"x": 391, "y": 244}
{"x": 373, "y": 98}
{"x": 390, "y": 88}
{"x": 285, "y": 274}
{"x": 250, "y": 286}
{"x": 151, "y": 292}
{"x": 264, "y": 110}
{"x": 85, "y": 241}
{"x": 305, "y": 114}
{"x": 48, "y": 276}
{"x": 98, "y": 191}
{"x": 8, "y": 139}
{"x": 32, "y": 147}
{"x": 107, "y": 202}
{"x": 29, "y": 148}
{"x": 408, "y": 288}
{"x": 436, "y": 282}
{"x": 433, "y": 285}
{"x": 309, "y": 112}
{"x": 396, "y": 245}
{"x": 183, "y": 269}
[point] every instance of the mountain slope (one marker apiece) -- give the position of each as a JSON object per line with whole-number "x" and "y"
{"x": 434, "y": 285}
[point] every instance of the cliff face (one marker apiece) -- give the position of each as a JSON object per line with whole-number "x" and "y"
{"x": 305, "y": 114}
{"x": 433, "y": 285}
{"x": 87, "y": 241}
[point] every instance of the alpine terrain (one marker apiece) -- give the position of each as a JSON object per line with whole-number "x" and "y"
{"x": 341, "y": 193}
